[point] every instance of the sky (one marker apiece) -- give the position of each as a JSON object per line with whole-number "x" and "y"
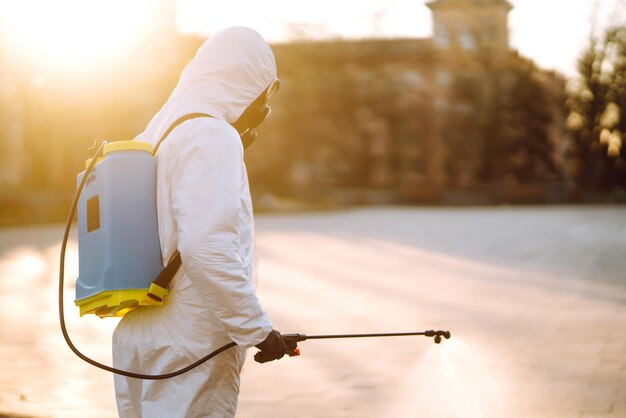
{"x": 551, "y": 32}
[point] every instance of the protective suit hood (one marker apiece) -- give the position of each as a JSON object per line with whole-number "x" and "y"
{"x": 230, "y": 70}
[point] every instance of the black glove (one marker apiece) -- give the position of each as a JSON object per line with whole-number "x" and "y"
{"x": 273, "y": 348}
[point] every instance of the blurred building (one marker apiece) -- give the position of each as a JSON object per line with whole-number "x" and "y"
{"x": 412, "y": 119}
{"x": 470, "y": 24}
{"x": 13, "y": 159}
{"x": 360, "y": 121}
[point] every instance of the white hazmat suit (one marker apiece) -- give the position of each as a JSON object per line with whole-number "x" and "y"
{"x": 204, "y": 211}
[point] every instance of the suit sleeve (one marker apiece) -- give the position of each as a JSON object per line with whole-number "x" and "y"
{"x": 207, "y": 182}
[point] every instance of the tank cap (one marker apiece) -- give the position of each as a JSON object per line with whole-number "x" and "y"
{"x": 127, "y": 146}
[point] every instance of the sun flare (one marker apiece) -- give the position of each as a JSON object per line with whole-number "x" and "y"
{"x": 71, "y": 35}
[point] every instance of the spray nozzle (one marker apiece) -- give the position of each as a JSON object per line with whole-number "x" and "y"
{"x": 437, "y": 335}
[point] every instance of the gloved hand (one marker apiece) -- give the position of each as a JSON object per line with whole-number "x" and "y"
{"x": 273, "y": 348}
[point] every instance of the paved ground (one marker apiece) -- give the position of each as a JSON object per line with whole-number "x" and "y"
{"x": 535, "y": 299}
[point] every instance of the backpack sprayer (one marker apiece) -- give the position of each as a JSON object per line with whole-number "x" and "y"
{"x": 118, "y": 246}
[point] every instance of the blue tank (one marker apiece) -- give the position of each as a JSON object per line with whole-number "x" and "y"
{"x": 119, "y": 254}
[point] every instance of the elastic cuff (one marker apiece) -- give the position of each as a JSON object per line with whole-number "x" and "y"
{"x": 250, "y": 338}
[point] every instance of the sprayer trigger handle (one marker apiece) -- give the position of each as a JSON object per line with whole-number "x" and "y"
{"x": 292, "y": 344}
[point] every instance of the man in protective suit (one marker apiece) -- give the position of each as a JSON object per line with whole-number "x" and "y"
{"x": 204, "y": 212}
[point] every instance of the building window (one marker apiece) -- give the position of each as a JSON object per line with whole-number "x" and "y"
{"x": 441, "y": 104}
{"x": 441, "y": 36}
{"x": 466, "y": 40}
{"x": 443, "y": 77}
{"x": 412, "y": 78}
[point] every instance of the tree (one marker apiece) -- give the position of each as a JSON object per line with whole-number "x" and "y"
{"x": 498, "y": 123}
{"x": 597, "y": 114}
{"x": 527, "y": 118}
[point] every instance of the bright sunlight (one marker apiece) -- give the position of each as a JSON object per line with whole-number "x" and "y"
{"x": 72, "y": 35}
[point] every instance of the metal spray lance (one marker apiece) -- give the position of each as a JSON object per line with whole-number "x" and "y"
{"x": 293, "y": 339}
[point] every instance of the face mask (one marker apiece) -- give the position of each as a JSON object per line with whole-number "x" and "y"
{"x": 255, "y": 114}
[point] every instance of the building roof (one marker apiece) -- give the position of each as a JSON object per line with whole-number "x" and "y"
{"x": 330, "y": 54}
{"x": 438, "y": 4}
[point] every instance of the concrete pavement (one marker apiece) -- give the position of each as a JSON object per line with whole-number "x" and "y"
{"x": 535, "y": 299}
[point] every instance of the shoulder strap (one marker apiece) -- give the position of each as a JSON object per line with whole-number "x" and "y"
{"x": 167, "y": 274}
{"x": 162, "y": 282}
{"x": 175, "y": 124}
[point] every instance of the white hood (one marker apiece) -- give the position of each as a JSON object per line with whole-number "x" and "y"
{"x": 230, "y": 70}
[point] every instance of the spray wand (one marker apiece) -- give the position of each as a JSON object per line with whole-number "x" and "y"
{"x": 292, "y": 340}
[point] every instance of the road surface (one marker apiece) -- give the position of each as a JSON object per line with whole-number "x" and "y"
{"x": 535, "y": 298}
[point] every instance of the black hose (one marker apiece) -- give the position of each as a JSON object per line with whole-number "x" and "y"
{"x": 126, "y": 373}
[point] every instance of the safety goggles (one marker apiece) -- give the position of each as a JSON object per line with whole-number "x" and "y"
{"x": 272, "y": 89}
{"x": 266, "y": 110}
